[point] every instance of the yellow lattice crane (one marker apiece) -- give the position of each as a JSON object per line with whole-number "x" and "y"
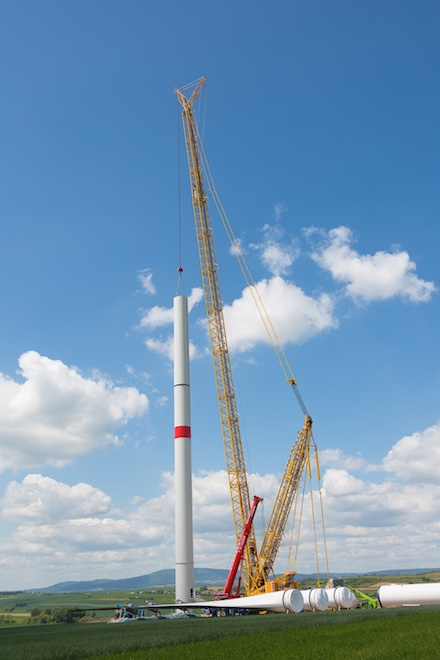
{"x": 235, "y": 463}
{"x": 258, "y": 566}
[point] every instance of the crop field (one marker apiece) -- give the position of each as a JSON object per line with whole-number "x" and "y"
{"x": 404, "y": 633}
{"x": 24, "y": 602}
{"x": 19, "y": 604}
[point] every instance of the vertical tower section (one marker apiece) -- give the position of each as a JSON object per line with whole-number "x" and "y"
{"x": 182, "y": 456}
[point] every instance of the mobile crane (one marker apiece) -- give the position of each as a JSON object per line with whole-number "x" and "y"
{"x": 257, "y": 567}
{"x": 239, "y": 553}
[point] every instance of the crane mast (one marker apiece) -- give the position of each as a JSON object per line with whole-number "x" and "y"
{"x": 235, "y": 463}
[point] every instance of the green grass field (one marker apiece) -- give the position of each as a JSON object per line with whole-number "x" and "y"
{"x": 400, "y": 633}
{"x": 404, "y": 633}
{"x": 24, "y": 602}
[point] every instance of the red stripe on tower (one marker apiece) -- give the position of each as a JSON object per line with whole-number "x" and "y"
{"x": 182, "y": 432}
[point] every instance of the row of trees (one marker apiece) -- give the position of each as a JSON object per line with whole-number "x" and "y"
{"x": 58, "y": 616}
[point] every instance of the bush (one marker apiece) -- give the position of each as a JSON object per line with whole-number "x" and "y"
{"x": 6, "y": 619}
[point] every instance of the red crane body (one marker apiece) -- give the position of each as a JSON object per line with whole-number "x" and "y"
{"x": 239, "y": 554}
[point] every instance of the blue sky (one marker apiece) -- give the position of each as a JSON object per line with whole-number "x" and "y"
{"x": 321, "y": 130}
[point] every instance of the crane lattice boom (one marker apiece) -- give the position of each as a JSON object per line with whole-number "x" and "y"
{"x": 287, "y": 492}
{"x": 235, "y": 463}
{"x": 257, "y": 566}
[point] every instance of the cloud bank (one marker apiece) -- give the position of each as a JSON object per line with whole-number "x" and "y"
{"x": 64, "y": 531}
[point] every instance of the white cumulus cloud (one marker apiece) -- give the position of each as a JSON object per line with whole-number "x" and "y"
{"x": 41, "y": 498}
{"x": 416, "y": 458}
{"x": 337, "y": 458}
{"x": 355, "y": 501}
{"x": 146, "y": 279}
{"x": 157, "y": 316}
{"x": 276, "y": 253}
{"x": 295, "y": 316}
{"x": 165, "y": 347}
{"x": 369, "y": 277}
{"x": 71, "y": 532}
{"x": 57, "y": 414}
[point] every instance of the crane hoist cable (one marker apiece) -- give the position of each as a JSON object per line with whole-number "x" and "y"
{"x": 296, "y": 529}
{"x": 259, "y": 303}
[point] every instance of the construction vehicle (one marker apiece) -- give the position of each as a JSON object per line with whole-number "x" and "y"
{"x": 257, "y": 566}
{"x": 239, "y": 554}
{"x": 364, "y": 600}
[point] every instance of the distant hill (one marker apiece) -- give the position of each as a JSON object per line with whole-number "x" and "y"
{"x": 406, "y": 571}
{"x": 202, "y": 576}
